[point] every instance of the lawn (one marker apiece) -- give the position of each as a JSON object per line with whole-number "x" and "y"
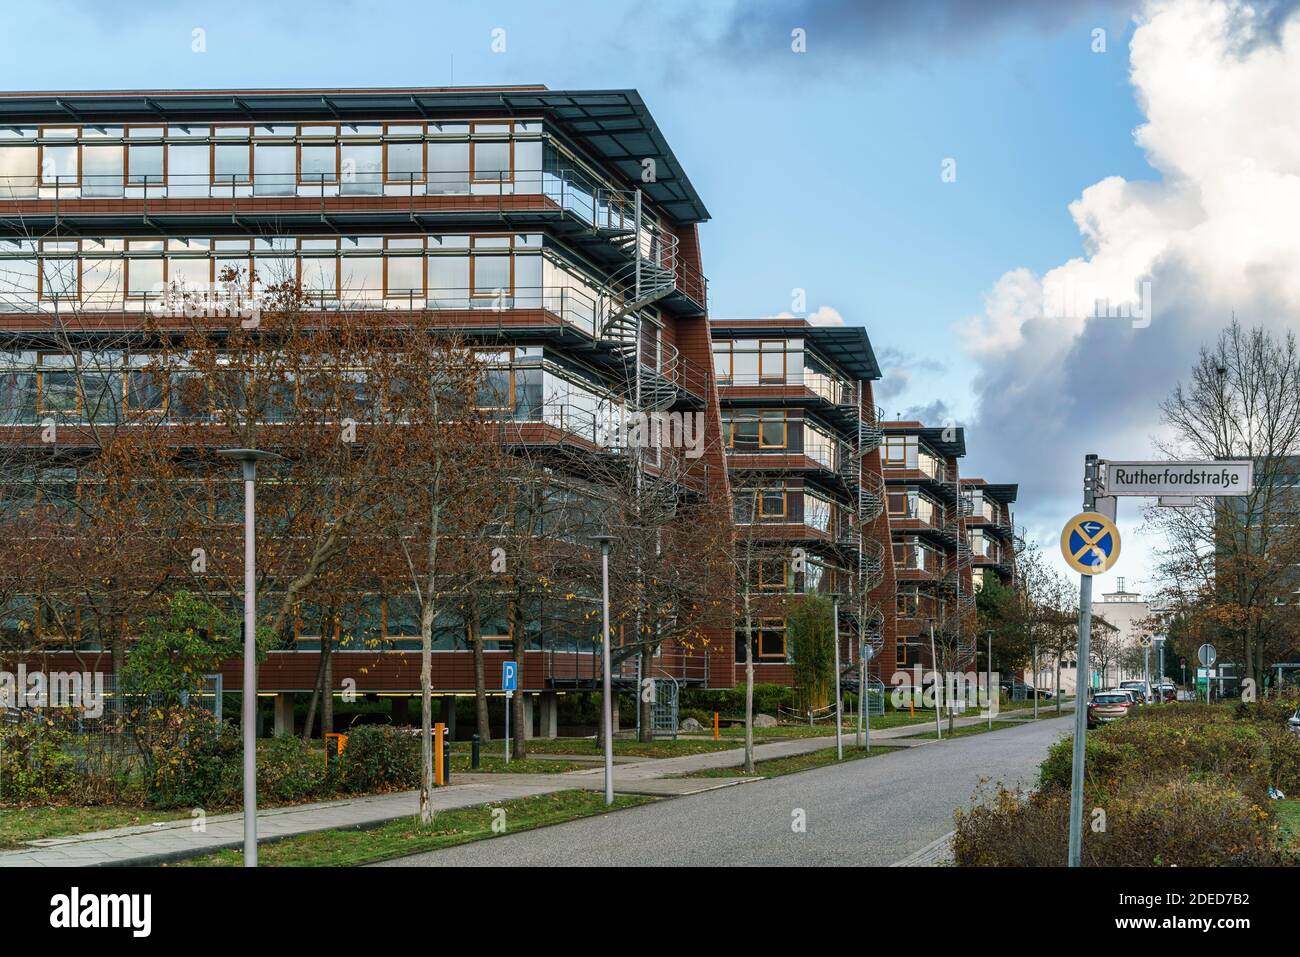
{"x": 775, "y": 767}
{"x": 968, "y": 730}
{"x": 660, "y": 748}
{"x": 20, "y": 824}
{"x": 495, "y": 763}
{"x": 407, "y": 836}
{"x": 1288, "y": 819}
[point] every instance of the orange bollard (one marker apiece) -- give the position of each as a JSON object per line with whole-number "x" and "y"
{"x": 715, "y": 726}
{"x": 438, "y": 730}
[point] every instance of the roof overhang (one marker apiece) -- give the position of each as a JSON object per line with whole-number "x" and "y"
{"x": 849, "y": 347}
{"x": 946, "y": 441}
{"x": 613, "y": 126}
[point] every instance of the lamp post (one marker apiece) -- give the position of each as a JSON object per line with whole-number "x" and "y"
{"x": 606, "y": 704}
{"x": 249, "y": 459}
{"x": 988, "y": 677}
{"x": 934, "y": 670}
{"x": 839, "y": 698}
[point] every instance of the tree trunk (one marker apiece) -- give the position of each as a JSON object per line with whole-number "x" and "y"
{"x": 518, "y": 644}
{"x": 1058, "y": 688}
{"x": 426, "y": 710}
{"x": 482, "y": 718}
{"x": 327, "y": 684}
{"x": 322, "y": 683}
{"x": 749, "y": 687}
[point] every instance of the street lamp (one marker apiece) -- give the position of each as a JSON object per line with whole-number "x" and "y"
{"x": 606, "y": 705}
{"x": 839, "y": 698}
{"x": 249, "y": 459}
{"x": 934, "y": 670}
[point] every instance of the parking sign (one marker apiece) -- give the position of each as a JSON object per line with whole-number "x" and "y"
{"x": 509, "y": 675}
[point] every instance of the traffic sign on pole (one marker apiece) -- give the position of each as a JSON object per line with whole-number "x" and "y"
{"x": 1090, "y": 543}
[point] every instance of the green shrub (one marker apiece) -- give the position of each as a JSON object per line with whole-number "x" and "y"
{"x": 1274, "y": 709}
{"x": 379, "y": 758}
{"x": 289, "y": 770}
{"x": 1167, "y": 823}
{"x": 200, "y": 767}
{"x": 33, "y": 766}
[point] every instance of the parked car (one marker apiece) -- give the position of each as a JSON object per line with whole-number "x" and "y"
{"x": 1293, "y": 723}
{"x": 1167, "y": 692}
{"x": 1107, "y": 706}
{"x": 1140, "y": 687}
{"x": 1135, "y": 697}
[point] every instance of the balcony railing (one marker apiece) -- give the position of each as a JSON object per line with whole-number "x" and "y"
{"x": 829, "y": 388}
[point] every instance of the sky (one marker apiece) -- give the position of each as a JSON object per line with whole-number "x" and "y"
{"x": 964, "y": 178}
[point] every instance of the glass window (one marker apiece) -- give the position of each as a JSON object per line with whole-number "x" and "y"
{"x": 17, "y": 172}
{"x": 360, "y": 170}
{"x": 102, "y": 173}
{"x": 230, "y": 163}
{"x": 771, "y": 361}
{"x": 772, "y": 503}
{"x": 448, "y": 281}
{"x": 319, "y": 164}
{"x": 144, "y": 276}
{"x": 490, "y": 161}
{"x": 448, "y": 168}
{"x": 273, "y": 170}
{"x": 405, "y": 275}
{"x": 187, "y": 170}
{"x": 405, "y": 162}
{"x": 144, "y": 165}
{"x": 59, "y": 278}
{"x": 320, "y": 275}
{"x": 491, "y": 275}
{"x": 59, "y": 166}
{"x": 101, "y": 281}
{"x": 773, "y": 430}
{"x": 363, "y": 277}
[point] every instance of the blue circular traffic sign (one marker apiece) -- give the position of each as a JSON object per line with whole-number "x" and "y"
{"x": 1090, "y": 543}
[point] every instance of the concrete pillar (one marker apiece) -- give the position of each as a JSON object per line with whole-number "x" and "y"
{"x": 447, "y": 714}
{"x": 401, "y": 711}
{"x": 284, "y": 714}
{"x": 528, "y": 715}
{"x": 548, "y": 725}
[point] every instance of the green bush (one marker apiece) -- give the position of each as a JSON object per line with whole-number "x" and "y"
{"x": 730, "y": 702}
{"x": 201, "y": 767}
{"x": 289, "y": 770}
{"x": 1172, "y": 823}
{"x": 33, "y": 766}
{"x": 380, "y": 758}
{"x": 1274, "y": 709}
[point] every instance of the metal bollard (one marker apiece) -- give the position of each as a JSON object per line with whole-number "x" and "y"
{"x": 474, "y": 753}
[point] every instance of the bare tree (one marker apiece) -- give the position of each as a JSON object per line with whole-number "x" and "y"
{"x": 1230, "y": 562}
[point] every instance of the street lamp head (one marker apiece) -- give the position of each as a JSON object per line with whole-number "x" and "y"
{"x": 605, "y": 539}
{"x": 247, "y": 455}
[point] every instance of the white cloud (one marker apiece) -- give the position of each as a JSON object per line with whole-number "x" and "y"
{"x": 1215, "y": 235}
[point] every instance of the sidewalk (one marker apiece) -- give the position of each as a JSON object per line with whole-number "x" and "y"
{"x": 173, "y": 840}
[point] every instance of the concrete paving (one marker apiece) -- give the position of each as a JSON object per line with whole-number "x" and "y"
{"x": 874, "y": 812}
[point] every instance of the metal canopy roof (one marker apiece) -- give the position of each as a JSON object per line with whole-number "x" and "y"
{"x": 614, "y": 126}
{"x": 954, "y": 445}
{"x": 1004, "y": 493}
{"x": 849, "y": 347}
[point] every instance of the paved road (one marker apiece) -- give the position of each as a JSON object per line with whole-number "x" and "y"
{"x": 872, "y": 812}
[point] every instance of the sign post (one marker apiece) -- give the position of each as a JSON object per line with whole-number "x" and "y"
{"x": 1090, "y": 545}
{"x": 509, "y": 682}
{"x": 1207, "y": 656}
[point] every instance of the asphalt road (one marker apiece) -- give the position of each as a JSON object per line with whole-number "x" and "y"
{"x": 871, "y": 812}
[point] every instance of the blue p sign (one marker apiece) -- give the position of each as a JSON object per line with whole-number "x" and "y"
{"x": 509, "y": 675}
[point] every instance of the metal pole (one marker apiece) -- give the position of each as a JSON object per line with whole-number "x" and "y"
{"x": 934, "y": 669}
{"x": 1081, "y": 682}
{"x": 839, "y": 698}
{"x": 604, "y": 651}
{"x": 1035, "y": 647}
{"x": 988, "y": 680}
{"x": 250, "y": 668}
{"x": 1146, "y": 668}
{"x": 507, "y": 736}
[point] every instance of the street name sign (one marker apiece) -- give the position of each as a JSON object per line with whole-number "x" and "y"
{"x": 1090, "y": 543}
{"x": 1178, "y": 480}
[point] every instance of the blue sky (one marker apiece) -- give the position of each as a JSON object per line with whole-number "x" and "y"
{"x": 821, "y": 169}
